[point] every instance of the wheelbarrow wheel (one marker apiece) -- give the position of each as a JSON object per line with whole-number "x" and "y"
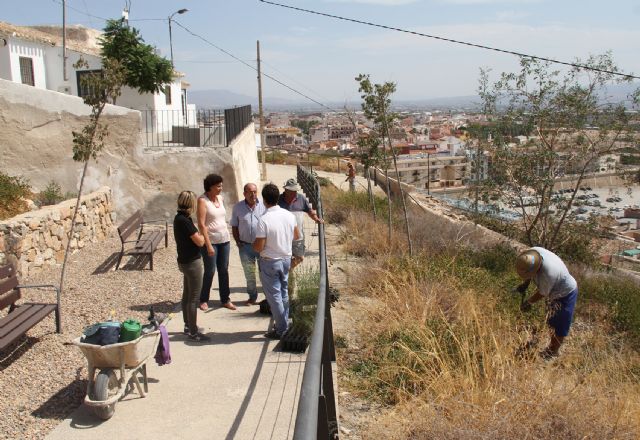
{"x": 105, "y": 387}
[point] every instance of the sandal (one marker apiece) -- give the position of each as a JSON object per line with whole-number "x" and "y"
{"x": 204, "y": 307}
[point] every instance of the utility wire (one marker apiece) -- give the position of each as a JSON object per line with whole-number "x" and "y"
{"x": 295, "y": 80}
{"x": 480, "y": 46}
{"x": 253, "y": 68}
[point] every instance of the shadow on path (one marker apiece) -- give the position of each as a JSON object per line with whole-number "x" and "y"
{"x": 237, "y": 421}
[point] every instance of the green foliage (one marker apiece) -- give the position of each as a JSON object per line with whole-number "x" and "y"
{"x": 51, "y": 195}
{"x": 343, "y": 202}
{"x": 13, "y": 191}
{"x": 559, "y": 110}
{"x": 618, "y": 292}
{"x": 144, "y": 70}
{"x": 627, "y": 159}
{"x": 304, "y": 125}
{"x": 303, "y": 309}
{"x": 103, "y": 87}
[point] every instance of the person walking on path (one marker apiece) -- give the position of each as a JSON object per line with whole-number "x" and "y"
{"x": 297, "y": 203}
{"x": 276, "y": 232}
{"x": 553, "y": 282}
{"x": 212, "y": 224}
{"x": 188, "y": 244}
{"x": 351, "y": 177}
{"x": 245, "y": 217}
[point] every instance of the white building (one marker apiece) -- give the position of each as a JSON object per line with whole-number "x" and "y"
{"x": 34, "y": 56}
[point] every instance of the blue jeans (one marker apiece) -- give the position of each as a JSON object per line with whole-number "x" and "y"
{"x": 219, "y": 260}
{"x": 274, "y": 275}
{"x": 249, "y": 258}
{"x": 561, "y": 313}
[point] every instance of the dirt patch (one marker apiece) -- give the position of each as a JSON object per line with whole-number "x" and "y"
{"x": 355, "y": 413}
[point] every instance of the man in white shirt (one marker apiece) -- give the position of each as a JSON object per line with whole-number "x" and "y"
{"x": 553, "y": 282}
{"x": 275, "y": 233}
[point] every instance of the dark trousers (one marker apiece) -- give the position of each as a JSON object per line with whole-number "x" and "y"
{"x": 220, "y": 261}
{"x": 192, "y": 286}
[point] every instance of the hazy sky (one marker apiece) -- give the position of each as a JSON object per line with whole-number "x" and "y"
{"x": 321, "y": 56}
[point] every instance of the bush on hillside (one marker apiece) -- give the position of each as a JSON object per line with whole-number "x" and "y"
{"x": 13, "y": 192}
{"x": 51, "y": 195}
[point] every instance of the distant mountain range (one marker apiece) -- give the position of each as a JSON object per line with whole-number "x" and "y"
{"x": 220, "y": 99}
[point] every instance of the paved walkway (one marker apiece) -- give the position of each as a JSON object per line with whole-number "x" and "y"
{"x": 239, "y": 386}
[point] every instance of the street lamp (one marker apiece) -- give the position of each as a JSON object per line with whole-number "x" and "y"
{"x": 179, "y": 11}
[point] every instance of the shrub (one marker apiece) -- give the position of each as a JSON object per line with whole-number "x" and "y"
{"x": 620, "y": 293}
{"x": 13, "y": 191}
{"x": 303, "y": 306}
{"x": 51, "y": 195}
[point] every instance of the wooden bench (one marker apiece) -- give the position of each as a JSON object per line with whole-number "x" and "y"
{"x": 146, "y": 242}
{"x": 21, "y": 317}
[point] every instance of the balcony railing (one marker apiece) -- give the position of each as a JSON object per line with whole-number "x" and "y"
{"x": 194, "y": 128}
{"x": 316, "y": 417}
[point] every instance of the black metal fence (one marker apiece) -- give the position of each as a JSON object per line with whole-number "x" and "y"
{"x": 194, "y": 128}
{"x": 316, "y": 417}
{"x": 236, "y": 120}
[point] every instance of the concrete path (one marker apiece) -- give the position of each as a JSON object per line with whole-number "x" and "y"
{"x": 238, "y": 386}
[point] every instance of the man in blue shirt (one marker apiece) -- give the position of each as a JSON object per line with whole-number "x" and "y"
{"x": 244, "y": 221}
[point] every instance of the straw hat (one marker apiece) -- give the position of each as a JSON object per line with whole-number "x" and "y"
{"x": 528, "y": 264}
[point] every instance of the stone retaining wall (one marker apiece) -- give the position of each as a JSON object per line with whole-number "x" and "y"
{"x": 36, "y": 240}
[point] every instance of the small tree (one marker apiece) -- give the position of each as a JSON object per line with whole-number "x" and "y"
{"x": 569, "y": 125}
{"x": 376, "y": 106}
{"x": 103, "y": 87}
{"x": 144, "y": 69}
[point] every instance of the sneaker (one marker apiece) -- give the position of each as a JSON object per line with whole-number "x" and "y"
{"x": 199, "y": 337}
{"x": 272, "y": 335}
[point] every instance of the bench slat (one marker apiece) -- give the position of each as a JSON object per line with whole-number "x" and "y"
{"x": 148, "y": 243}
{"x": 7, "y": 271}
{"x": 8, "y": 292}
{"x": 30, "y": 314}
{"x": 9, "y": 298}
{"x": 130, "y": 225}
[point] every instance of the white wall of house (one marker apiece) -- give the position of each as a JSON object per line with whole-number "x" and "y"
{"x": 54, "y": 71}
{"x": 5, "y": 60}
{"x": 19, "y": 48}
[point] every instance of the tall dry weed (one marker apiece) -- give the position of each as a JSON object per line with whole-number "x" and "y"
{"x": 445, "y": 359}
{"x": 443, "y": 345}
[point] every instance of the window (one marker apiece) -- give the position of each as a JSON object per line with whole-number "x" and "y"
{"x": 83, "y": 78}
{"x": 167, "y": 95}
{"x": 26, "y": 71}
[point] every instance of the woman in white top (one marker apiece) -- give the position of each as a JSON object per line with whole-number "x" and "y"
{"x": 212, "y": 223}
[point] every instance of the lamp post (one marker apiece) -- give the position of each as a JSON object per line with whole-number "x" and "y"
{"x": 179, "y": 11}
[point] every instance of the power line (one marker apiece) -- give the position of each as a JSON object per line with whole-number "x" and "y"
{"x": 480, "y": 46}
{"x": 272, "y": 78}
{"x": 79, "y": 11}
{"x": 295, "y": 80}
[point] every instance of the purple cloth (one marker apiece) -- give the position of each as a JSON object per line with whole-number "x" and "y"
{"x": 163, "y": 355}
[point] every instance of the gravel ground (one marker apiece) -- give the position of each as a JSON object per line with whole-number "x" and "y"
{"x": 42, "y": 380}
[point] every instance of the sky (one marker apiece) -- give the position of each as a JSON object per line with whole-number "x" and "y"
{"x": 320, "y": 56}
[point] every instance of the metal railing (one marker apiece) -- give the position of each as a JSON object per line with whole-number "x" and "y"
{"x": 236, "y": 119}
{"x": 316, "y": 417}
{"x": 194, "y": 128}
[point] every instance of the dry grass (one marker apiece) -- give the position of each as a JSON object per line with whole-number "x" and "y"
{"x": 441, "y": 345}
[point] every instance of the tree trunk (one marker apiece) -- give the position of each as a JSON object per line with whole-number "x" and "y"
{"x": 73, "y": 224}
{"x": 404, "y": 203}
